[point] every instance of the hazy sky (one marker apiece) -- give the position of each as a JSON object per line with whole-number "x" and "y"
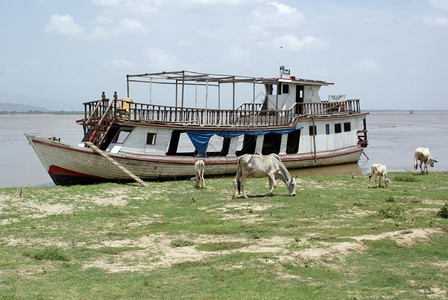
{"x": 390, "y": 54}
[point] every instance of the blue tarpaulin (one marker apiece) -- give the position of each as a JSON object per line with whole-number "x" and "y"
{"x": 200, "y": 138}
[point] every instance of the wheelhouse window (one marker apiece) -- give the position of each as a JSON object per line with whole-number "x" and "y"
{"x": 327, "y": 129}
{"x": 313, "y": 130}
{"x": 285, "y": 89}
{"x": 347, "y": 126}
{"x": 337, "y": 128}
{"x": 151, "y": 138}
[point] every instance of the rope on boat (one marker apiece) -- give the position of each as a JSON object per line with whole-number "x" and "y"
{"x": 27, "y": 170}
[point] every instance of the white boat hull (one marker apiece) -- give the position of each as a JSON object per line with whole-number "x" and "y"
{"x": 68, "y": 164}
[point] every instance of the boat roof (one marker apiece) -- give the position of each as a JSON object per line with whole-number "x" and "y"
{"x": 189, "y": 77}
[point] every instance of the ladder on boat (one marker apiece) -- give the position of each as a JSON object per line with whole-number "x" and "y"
{"x": 99, "y": 122}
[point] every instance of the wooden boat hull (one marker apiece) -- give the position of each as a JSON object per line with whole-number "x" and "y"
{"x": 69, "y": 164}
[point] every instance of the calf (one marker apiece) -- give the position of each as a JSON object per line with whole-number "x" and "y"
{"x": 380, "y": 171}
{"x": 199, "y": 169}
{"x": 423, "y": 156}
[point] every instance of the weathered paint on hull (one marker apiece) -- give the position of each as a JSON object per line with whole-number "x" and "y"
{"x": 68, "y": 165}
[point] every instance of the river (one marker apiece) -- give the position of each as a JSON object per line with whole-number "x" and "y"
{"x": 392, "y": 136}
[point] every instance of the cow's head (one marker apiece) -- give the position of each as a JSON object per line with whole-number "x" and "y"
{"x": 291, "y": 185}
{"x": 386, "y": 181}
{"x": 431, "y": 161}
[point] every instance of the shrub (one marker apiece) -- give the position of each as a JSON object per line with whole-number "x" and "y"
{"x": 390, "y": 212}
{"x": 49, "y": 253}
{"x": 405, "y": 178}
{"x": 390, "y": 199}
{"x": 220, "y": 246}
{"x": 181, "y": 243}
{"x": 443, "y": 212}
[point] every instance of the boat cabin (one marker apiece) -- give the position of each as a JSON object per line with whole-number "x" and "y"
{"x": 290, "y": 118}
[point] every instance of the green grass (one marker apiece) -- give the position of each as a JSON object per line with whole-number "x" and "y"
{"x": 337, "y": 239}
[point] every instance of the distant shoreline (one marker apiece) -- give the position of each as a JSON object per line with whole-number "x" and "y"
{"x": 62, "y": 112}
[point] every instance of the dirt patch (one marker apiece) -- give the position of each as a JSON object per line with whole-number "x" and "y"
{"x": 403, "y": 237}
{"x": 34, "y": 242}
{"x": 119, "y": 197}
{"x": 157, "y": 251}
{"x": 29, "y": 209}
{"x": 244, "y": 211}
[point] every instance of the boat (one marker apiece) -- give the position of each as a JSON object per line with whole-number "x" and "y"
{"x": 282, "y": 115}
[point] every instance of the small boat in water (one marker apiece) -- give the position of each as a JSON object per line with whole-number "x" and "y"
{"x": 159, "y": 141}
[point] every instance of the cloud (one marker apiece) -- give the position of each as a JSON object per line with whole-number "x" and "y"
{"x": 283, "y": 16}
{"x": 368, "y": 65}
{"x": 140, "y": 7}
{"x": 237, "y": 55}
{"x": 127, "y": 26}
{"x": 63, "y": 25}
{"x": 161, "y": 60}
{"x": 283, "y": 9}
{"x": 121, "y": 64}
{"x": 107, "y": 2}
{"x": 292, "y": 43}
{"x": 209, "y": 33}
{"x": 439, "y": 4}
{"x": 275, "y": 19}
{"x": 436, "y": 21}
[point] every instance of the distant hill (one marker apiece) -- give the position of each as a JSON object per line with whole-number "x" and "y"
{"x": 20, "y": 103}
{"x": 14, "y": 107}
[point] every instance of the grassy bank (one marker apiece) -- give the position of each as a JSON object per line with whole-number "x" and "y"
{"x": 336, "y": 239}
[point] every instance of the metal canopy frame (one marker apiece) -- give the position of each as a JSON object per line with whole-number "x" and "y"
{"x": 189, "y": 78}
{"x": 184, "y": 78}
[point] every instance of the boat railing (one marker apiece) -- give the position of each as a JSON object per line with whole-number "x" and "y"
{"x": 247, "y": 114}
{"x": 349, "y": 106}
{"x": 249, "y": 106}
{"x": 215, "y": 117}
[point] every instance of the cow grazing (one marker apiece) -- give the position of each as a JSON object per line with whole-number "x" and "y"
{"x": 199, "y": 169}
{"x": 423, "y": 156}
{"x": 379, "y": 171}
{"x": 258, "y": 166}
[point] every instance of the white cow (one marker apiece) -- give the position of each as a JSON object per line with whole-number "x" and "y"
{"x": 199, "y": 169}
{"x": 379, "y": 171}
{"x": 423, "y": 155}
{"x": 258, "y": 166}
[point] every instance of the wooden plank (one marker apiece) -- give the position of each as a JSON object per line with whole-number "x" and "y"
{"x": 115, "y": 163}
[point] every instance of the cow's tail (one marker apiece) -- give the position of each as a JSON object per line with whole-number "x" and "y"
{"x": 238, "y": 175}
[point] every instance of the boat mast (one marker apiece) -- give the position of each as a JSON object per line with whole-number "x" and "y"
{"x": 127, "y": 84}
{"x": 183, "y": 93}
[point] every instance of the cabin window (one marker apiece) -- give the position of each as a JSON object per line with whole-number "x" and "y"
{"x": 271, "y": 143}
{"x": 292, "y": 144}
{"x": 249, "y": 142}
{"x": 121, "y": 136}
{"x": 218, "y": 146}
{"x": 327, "y": 129}
{"x": 151, "y": 138}
{"x": 285, "y": 89}
{"x": 347, "y": 126}
{"x": 180, "y": 144}
{"x": 313, "y": 130}
{"x": 337, "y": 128}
